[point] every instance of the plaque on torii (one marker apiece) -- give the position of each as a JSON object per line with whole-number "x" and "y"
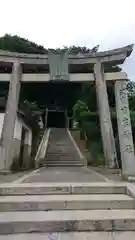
{"x": 58, "y": 65}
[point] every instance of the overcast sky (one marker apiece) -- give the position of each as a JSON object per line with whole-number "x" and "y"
{"x": 54, "y": 23}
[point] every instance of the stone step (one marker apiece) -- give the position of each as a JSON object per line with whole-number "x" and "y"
{"x": 72, "y": 236}
{"x": 63, "y": 164}
{"x": 53, "y": 156}
{"x": 54, "y": 142}
{"x": 63, "y": 221}
{"x": 60, "y": 153}
{"x": 63, "y": 160}
{"x": 60, "y": 162}
{"x": 62, "y": 188}
{"x": 65, "y": 151}
{"x": 61, "y": 150}
{"x": 61, "y": 156}
{"x": 66, "y": 202}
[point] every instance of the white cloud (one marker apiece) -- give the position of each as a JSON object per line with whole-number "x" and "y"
{"x": 54, "y": 23}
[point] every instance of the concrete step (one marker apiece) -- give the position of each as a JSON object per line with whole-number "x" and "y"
{"x": 61, "y": 156}
{"x": 61, "y": 150}
{"x": 59, "y": 153}
{"x": 66, "y": 202}
{"x": 72, "y": 236}
{"x": 63, "y": 164}
{"x": 62, "y": 188}
{"x": 55, "y": 154}
{"x": 70, "y": 157}
{"x": 60, "y": 162}
{"x": 63, "y": 221}
{"x": 54, "y": 161}
{"x": 61, "y": 147}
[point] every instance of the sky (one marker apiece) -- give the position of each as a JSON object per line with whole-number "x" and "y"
{"x": 58, "y": 23}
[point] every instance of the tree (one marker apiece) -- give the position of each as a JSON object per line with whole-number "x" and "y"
{"x": 79, "y": 108}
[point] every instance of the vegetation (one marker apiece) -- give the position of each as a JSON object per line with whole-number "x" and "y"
{"x": 86, "y": 114}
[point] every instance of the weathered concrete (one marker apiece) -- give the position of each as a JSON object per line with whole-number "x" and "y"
{"x": 114, "y": 55}
{"x": 64, "y": 174}
{"x": 15, "y": 149}
{"x": 98, "y": 206}
{"x": 66, "y": 202}
{"x": 11, "y": 177}
{"x": 75, "y": 77}
{"x": 62, "y": 188}
{"x": 61, "y": 150}
{"x": 10, "y": 115}
{"x": 35, "y": 189}
{"x": 58, "y": 65}
{"x": 63, "y": 221}
{"x": 105, "y": 117}
{"x": 27, "y": 156}
{"x": 81, "y": 156}
{"x": 72, "y": 235}
{"x": 41, "y": 152}
{"x": 99, "y": 188}
{"x": 124, "y": 129}
{"x": 130, "y": 190}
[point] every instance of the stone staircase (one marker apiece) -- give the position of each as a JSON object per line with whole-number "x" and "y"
{"x": 61, "y": 151}
{"x": 65, "y": 211}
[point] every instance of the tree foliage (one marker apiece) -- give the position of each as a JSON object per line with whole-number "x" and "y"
{"x": 22, "y": 45}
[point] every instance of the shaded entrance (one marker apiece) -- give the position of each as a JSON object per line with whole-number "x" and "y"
{"x": 54, "y": 99}
{"x": 56, "y": 119}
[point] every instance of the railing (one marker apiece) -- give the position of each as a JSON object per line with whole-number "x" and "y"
{"x": 40, "y": 156}
{"x": 81, "y": 156}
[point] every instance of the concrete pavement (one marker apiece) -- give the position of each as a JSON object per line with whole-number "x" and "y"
{"x": 64, "y": 174}
{"x": 73, "y": 236}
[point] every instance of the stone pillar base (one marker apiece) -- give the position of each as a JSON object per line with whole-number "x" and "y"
{"x": 131, "y": 178}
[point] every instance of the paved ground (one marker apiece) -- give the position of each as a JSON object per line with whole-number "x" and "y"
{"x": 64, "y": 174}
{"x": 73, "y": 236}
{"x": 111, "y": 174}
{"x": 13, "y": 176}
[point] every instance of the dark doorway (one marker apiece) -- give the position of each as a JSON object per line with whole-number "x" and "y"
{"x": 22, "y": 146}
{"x": 56, "y": 119}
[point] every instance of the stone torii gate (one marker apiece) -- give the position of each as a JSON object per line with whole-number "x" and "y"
{"x": 58, "y": 71}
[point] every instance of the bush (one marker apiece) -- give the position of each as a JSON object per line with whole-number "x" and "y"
{"x": 95, "y": 150}
{"x": 90, "y": 128}
{"x": 96, "y": 159}
{"x": 92, "y": 131}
